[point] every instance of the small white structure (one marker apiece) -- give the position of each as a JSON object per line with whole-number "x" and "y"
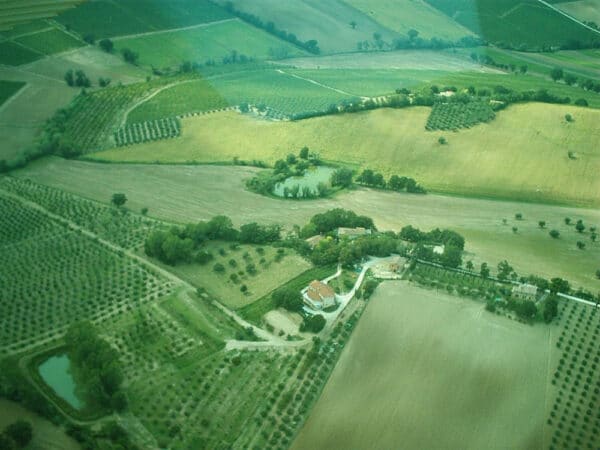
{"x": 525, "y": 291}
{"x": 319, "y": 295}
{"x": 352, "y": 233}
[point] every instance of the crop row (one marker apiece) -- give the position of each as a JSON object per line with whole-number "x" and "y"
{"x": 575, "y": 414}
{"x": 457, "y": 115}
{"x": 57, "y": 276}
{"x": 149, "y": 130}
{"x": 116, "y": 225}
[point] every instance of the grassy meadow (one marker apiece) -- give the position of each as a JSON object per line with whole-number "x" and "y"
{"x": 501, "y": 159}
{"x": 271, "y": 272}
{"x": 190, "y": 193}
{"x": 414, "y": 350}
{"x": 584, "y": 10}
{"x": 203, "y": 43}
{"x": 404, "y": 15}
{"x": 327, "y": 22}
{"x": 50, "y": 41}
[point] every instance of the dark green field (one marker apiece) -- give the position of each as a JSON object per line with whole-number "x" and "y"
{"x": 8, "y": 89}
{"x": 110, "y": 18}
{"x": 519, "y": 23}
{"x": 13, "y": 54}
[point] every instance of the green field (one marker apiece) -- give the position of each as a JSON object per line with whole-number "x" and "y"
{"x": 509, "y": 157}
{"x": 50, "y": 42}
{"x": 326, "y": 22}
{"x": 186, "y": 97}
{"x": 404, "y": 15}
{"x": 271, "y": 272}
{"x": 526, "y": 23}
{"x": 584, "y": 10}
{"x": 8, "y": 89}
{"x": 13, "y": 54}
{"x": 414, "y": 350}
{"x": 205, "y": 42}
{"x": 190, "y": 193}
{"x": 107, "y": 18}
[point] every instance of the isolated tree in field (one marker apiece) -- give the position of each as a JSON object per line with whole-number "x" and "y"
{"x": 304, "y": 153}
{"x": 593, "y": 237}
{"x": 580, "y": 245}
{"x": 542, "y": 224}
{"x": 568, "y": 117}
{"x": 523, "y": 69}
{"x": 119, "y": 199}
{"x": 555, "y": 234}
{"x": 579, "y": 226}
{"x": 567, "y": 221}
{"x": 550, "y": 309}
{"x": 556, "y": 74}
{"x": 519, "y": 216}
{"x": 106, "y": 45}
{"x": 515, "y": 229}
{"x": 70, "y": 77}
{"x": 353, "y": 25}
{"x": 469, "y": 266}
{"x": 129, "y": 55}
{"x": 504, "y": 221}
{"x": 484, "y": 271}
{"x": 442, "y": 140}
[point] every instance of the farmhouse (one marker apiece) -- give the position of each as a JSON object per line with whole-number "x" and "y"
{"x": 352, "y": 233}
{"x": 319, "y": 295}
{"x": 525, "y": 291}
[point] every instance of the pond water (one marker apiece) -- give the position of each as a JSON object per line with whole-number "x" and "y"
{"x": 55, "y": 373}
{"x": 311, "y": 178}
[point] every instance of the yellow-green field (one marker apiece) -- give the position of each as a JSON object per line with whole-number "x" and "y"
{"x": 270, "y": 274}
{"x": 403, "y": 15}
{"x": 191, "y": 193}
{"x": 584, "y": 10}
{"x": 46, "y": 435}
{"x": 502, "y": 159}
{"x": 426, "y": 370}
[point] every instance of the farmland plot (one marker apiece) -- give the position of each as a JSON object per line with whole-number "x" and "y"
{"x": 52, "y": 276}
{"x": 50, "y": 42}
{"x": 8, "y": 89}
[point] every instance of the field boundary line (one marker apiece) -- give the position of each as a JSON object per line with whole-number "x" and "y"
{"x": 173, "y": 30}
{"x": 316, "y": 83}
{"x": 568, "y": 16}
{"x": 14, "y": 96}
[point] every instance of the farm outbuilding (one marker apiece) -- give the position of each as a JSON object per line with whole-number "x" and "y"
{"x": 525, "y": 291}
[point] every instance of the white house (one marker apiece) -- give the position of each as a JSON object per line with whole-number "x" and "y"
{"x": 319, "y": 295}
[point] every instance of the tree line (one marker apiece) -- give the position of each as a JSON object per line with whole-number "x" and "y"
{"x": 311, "y": 46}
{"x": 396, "y": 183}
{"x": 184, "y": 244}
{"x": 96, "y": 367}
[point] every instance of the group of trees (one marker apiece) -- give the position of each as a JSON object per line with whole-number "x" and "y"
{"x": 288, "y": 298}
{"x": 413, "y": 41}
{"x": 349, "y": 252}
{"x": 395, "y": 183}
{"x": 558, "y": 74}
{"x": 96, "y": 367}
{"x": 77, "y": 78}
{"x": 311, "y": 46}
{"x": 184, "y": 244}
{"x": 313, "y": 323}
{"x": 333, "y": 219}
{"x": 16, "y": 435}
{"x": 489, "y": 61}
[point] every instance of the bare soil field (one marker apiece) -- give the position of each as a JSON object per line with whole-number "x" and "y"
{"x": 426, "y": 370}
{"x": 191, "y": 193}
